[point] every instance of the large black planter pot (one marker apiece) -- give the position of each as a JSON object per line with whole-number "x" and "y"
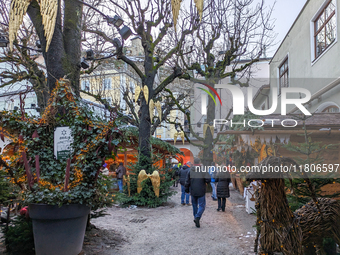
{"x": 58, "y": 230}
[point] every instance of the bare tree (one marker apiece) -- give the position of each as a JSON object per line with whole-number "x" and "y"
{"x": 152, "y": 21}
{"x": 235, "y": 24}
{"x": 231, "y": 31}
{"x": 22, "y": 64}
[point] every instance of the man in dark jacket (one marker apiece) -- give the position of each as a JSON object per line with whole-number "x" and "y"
{"x": 121, "y": 171}
{"x": 196, "y": 180}
{"x": 182, "y": 176}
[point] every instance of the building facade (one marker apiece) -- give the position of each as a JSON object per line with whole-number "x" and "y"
{"x": 308, "y": 58}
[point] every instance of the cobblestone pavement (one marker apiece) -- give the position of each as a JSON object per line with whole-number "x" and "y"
{"x": 170, "y": 229}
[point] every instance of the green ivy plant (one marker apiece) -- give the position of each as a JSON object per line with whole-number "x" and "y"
{"x": 32, "y": 165}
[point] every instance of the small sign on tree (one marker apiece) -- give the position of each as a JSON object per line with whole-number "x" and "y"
{"x": 62, "y": 142}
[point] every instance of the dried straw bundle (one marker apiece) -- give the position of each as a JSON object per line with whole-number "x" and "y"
{"x": 317, "y": 226}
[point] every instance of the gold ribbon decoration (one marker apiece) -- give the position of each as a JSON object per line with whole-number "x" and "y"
{"x": 159, "y": 110}
{"x": 137, "y": 93}
{"x": 175, "y": 137}
{"x": 212, "y": 130}
{"x": 199, "y": 7}
{"x": 156, "y": 182}
{"x": 176, "y": 6}
{"x": 205, "y": 127}
{"x": 146, "y": 93}
{"x": 17, "y": 12}
{"x": 151, "y": 109}
{"x": 181, "y": 134}
{"x": 127, "y": 182}
{"x": 18, "y": 9}
{"x": 142, "y": 176}
{"x": 49, "y": 11}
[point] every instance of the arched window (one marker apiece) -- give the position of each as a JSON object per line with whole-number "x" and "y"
{"x": 331, "y": 109}
{"x": 328, "y": 107}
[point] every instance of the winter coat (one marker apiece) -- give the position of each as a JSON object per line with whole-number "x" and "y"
{"x": 183, "y": 174}
{"x": 175, "y": 171}
{"x": 196, "y": 181}
{"x": 223, "y": 181}
{"x": 121, "y": 171}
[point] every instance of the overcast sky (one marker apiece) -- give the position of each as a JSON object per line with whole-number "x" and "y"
{"x": 284, "y": 13}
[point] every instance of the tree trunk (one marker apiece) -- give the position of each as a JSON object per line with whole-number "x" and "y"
{"x": 42, "y": 93}
{"x": 54, "y": 57}
{"x": 72, "y": 41}
{"x": 208, "y": 155}
{"x": 145, "y": 127}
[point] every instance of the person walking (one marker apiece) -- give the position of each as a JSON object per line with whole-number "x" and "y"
{"x": 212, "y": 172}
{"x": 223, "y": 181}
{"x": 121, "y": 171}
{"x": 196, "y": 181}
{"x": 182, "y": 176}
{"x": 175, "y": 175}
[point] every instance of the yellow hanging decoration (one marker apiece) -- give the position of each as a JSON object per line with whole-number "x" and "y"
{"x": 156, "y": 182}
{"x": 127, "y": 182}
{"x": 199, "y": 7}
{"x": 151, "y": 109}
{"x": 212, "y": 130}
{"x": 205, "y": 127}
{"x": 175, "y": 137}
{"x": 49, "y": 11}
{"x": 137, "y": 93}
{"x": 146, "y": 93}
{"x": 181, "y": 134}
{"x": 176, "y": 6}
{"x": 159, "y": 110}
{"x": 142, "y": 176}
{"x": 17, "y": 12}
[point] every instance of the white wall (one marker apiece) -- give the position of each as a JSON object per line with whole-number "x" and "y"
{"x": 304, "y": 71}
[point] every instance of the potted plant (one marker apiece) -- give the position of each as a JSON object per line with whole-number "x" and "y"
{"x": 60, "y": 184}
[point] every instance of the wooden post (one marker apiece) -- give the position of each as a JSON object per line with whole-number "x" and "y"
{"x": 125, "y": 158}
